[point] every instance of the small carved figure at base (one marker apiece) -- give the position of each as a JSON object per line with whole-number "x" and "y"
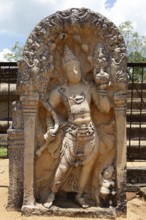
{"x": 107, "y": 190}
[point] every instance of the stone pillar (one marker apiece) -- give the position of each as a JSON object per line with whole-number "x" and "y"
{"x": 120, "y": 114}
{"x": 15, "y": 151}
{"x": 30, "y": 105}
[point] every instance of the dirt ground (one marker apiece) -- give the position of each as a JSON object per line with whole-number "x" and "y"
{"x": 136, "y": 206}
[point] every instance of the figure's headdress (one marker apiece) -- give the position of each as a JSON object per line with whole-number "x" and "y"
{"x": 69, "y": 57}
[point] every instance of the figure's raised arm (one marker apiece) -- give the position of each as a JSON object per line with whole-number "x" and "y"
{"x": 100, "y": 99}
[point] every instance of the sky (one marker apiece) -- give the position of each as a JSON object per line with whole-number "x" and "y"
{"x": 18, "y": 18}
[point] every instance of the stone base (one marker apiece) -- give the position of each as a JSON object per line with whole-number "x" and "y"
{"x": 92, "y": 212}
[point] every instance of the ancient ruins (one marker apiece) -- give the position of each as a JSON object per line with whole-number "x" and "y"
{"x": 67, "y": 143}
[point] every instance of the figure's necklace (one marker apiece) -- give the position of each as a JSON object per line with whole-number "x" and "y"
{"x": 78, "y": 99}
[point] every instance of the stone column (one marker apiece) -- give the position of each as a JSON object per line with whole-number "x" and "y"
{"x": 15, "y": 152}
{"x": 120, "y": 114}
{"x": 30, "y": 106}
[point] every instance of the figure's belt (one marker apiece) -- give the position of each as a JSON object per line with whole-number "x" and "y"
{"x": 82, "y": 130}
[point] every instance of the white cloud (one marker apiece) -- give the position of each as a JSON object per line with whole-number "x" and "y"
{"x": 133, "y": 11}
{"x": 20, "y": 17}
{"x": 3, "y": 53}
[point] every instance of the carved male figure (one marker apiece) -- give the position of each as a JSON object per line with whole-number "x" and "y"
{"x": 80, "y": 145}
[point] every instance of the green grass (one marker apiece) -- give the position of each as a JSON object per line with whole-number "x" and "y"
{"x": 3, "y": 151}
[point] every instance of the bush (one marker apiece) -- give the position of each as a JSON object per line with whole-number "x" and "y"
{"x": 3, "y": 151}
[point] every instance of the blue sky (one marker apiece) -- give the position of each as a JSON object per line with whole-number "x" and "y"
{"x": 18, "y": 18}
{"x": 110, "y": 2}
{"x": 8, "y": 41}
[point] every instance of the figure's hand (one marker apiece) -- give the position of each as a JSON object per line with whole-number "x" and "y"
{"x": 50, "y": 134}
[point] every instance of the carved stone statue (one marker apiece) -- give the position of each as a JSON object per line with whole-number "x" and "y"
{"x": 71, "y": 126}
{"x": 80, "y": 145}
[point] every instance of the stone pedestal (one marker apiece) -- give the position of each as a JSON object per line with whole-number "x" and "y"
{"x": 93, "y": 212}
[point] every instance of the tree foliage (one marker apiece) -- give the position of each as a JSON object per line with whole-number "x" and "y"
{"x": 16, "y": 52}
{"x": 136, "y": 44}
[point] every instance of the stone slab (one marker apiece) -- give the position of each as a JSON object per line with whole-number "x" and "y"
{"x": 92, "y": 212}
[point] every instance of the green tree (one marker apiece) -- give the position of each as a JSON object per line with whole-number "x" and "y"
{"x": 16, "y": 54}
{"x": 136, "y": 44}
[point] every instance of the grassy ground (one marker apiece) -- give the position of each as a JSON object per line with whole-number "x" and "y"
{"x": 3, "y": 151}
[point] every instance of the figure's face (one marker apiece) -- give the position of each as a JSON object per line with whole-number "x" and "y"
{"x": 73, "y": 73}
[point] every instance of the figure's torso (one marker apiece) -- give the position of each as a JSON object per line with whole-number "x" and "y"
{"x": 77, "y": 100}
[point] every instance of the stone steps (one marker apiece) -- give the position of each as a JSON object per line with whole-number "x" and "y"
{"x": 5, "y": 110}
{"x": 136, "y": 94}
{"x": 8, "y": 92}
{"x": 135, "y": 143}
{"x": 136, "y": 149}
{"x": 136, "y": 121}
{"x": 136, "y": 116}
{"x": 136, "y": 175}
{"x": 137, "y": 103}
{"x": 138, "y": 86}
{"x": 136, "y": 179}
{"x": 136, "y": 129}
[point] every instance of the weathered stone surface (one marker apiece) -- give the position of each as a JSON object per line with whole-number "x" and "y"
{"x": 72, "y": 84}
{"x": 93, "y": 212}
{"x": 15, "y": 152}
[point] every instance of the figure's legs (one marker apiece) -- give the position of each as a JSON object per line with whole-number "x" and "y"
{"x": 85, "y": 172}
{"x": 59, "y": 174}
